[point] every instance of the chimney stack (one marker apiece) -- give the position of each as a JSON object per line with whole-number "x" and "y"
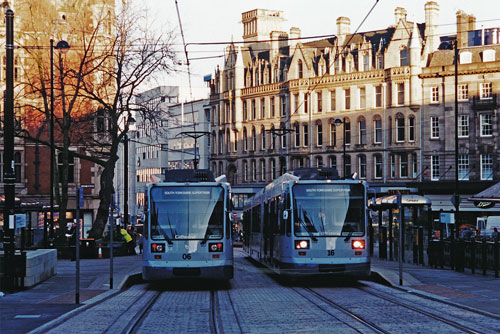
{"x": 343, "y": 28}
{"x": 431, "y": 22}
{"x": 400, "y": 14}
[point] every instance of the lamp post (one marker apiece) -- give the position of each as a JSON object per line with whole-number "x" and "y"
{"x": 339, "y": 122}
{"x": 453, "y": 45}
{"x": 62, "y": 46}
{"x": 131, "y": 121}
{"x": 195, "y": 135}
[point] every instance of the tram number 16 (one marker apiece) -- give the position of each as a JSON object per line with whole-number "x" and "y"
{"x": 186, "y": 256}
{"x": 331, "y": 252}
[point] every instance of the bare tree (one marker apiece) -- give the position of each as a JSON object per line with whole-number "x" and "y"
{"x": 110, "y": 62}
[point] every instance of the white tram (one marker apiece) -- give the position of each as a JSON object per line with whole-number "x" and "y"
{"x": 187, "y": 232}
{"x": 309, "y": 222}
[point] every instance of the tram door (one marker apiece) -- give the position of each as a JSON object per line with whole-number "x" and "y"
{"x": 267, "y": 231}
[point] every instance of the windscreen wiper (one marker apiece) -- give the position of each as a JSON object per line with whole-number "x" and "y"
{"x": 348, "y": 236}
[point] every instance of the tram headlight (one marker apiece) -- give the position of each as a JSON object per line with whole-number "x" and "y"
{"x": 301, "y": 244}
{"x": 215, "y": 247}
{"x": 358, "y": 244}
{"x": 157, "y": 248}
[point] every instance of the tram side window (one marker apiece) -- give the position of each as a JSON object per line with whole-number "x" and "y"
{"x": 280, "y": 217}
{"x": 274, "y": 217}
{"x": 288, "y": 221}
{"x": 256, "y": 219}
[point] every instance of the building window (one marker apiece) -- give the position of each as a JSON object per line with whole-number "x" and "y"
{"x": 333, "y": 161}
{"x": 271, "y": 104}
{"x": 486, "y": 123}
{"x": 486, "y": 167}
{"x": 254, "y": 140}
{"x": 245, "y": 111}
{"x": 263, "y": 170}
{"x": 463, "y": 92}
{"x": 319, "y": 162}
{"x": 378, "y": 96}
{"x": 263, "y": 138}
{"x": 347, "y": 164}
{"x": 362, "y": 166}
{"x": 347, "y": 100}
{"x": 380, "y": 61}
{"x": 400, "y": 128}
{"x": 60, "y": 160}
{"x": 485, "y": 90}
{"x": 393, "y": 166}
{"x": 434, "y": 167}
{"x": 347, "y": 131}
{"x": 235, "y": 143}
{"x": 254, "y": 111}
{"x": 463, "y": 167}
{"x": 415, "y": 164}
{"x": 401, "y": 94}
{"x": 333, "y": 135}
{"x": 411, "y": 129}
{"x": 362, "y": 131}
{"x": 434, "y": 127}
{"x": 403, "y": 166}
{"x": 306, "y": 103}
{"x": 463, "y": 126}
{"x": 228, "y": 141}
{"x": 319, "y": 98}
{"x": 305, "y": 136}
{"x": 283, "y": 105}
{"x": 377, "y": 133}
{"x": 273, "y": 169}
{"x": 366, "y": 63}
{"x": 379, "y": 167}
{"x": 362, "y": 98}
{"x": 254, "y": 171}
{"x": 319, "y": 134}
{"x": 297, "y": 135}
{"x": 245, "y": 140}
{"x": 434, "y": 94}
{"x": 245, "y": 171}
{"x": 333, "y": 101}
{"x": 300, "y": 69}
{"x": 403, "y": 57}
{"x": 18, "y": 165}
{"x": 262, "y": 109}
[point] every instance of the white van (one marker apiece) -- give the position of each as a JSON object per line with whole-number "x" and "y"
{"x": 486, "y": 224}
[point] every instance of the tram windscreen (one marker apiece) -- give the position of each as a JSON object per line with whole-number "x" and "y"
{"x": 325, "y": 210}
{"x": 187, "y": 213}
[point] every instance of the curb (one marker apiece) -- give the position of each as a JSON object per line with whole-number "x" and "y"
{"x": 126, "y": 283}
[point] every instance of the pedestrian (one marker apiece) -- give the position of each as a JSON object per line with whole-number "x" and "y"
{"x": 494, "y": 235}
{"x": 128, "y": 241}
{"x": 141, "y": 242}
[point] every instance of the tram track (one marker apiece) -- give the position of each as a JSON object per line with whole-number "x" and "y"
{"x": 455, "y": 324}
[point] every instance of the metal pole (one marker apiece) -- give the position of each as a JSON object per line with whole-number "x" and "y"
{"x": 457, "y": 197}
{"x": 79, "y": 192}
{"x": 125, "y": 181}
{"x": 9, "y": 174}
{"x": 111, "y": 228}
{"x": 400, "y": 243}
{"x": 52, "y": 148}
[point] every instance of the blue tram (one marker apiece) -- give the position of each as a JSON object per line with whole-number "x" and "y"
{"x": 187, "y": 229}
{"x": 309, "y": 222}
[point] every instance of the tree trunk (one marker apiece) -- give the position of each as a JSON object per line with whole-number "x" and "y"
{"x": 105, "y": 194}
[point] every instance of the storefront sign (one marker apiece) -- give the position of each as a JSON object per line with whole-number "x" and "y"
{"x": 484, "y": 204}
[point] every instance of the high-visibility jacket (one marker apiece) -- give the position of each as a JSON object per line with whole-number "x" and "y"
{"x": 125, "y": 235}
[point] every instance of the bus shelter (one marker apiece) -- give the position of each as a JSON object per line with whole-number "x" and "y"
{"x": 415, "y": 222}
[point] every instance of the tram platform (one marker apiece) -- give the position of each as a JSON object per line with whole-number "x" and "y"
{"x": 477, "y": 291}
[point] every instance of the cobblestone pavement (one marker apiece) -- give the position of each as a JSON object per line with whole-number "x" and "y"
{"x": 256, "y": 301}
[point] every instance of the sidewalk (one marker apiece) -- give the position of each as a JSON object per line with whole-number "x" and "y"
{"x": 23, "y": 311}
{"x": 474, "y": 291}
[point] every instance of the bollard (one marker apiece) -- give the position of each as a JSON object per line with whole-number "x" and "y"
{"x": 496, "y": 256}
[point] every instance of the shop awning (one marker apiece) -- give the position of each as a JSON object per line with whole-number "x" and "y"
{"x": 487, "y": 196}
{"x": 391, "y": 201}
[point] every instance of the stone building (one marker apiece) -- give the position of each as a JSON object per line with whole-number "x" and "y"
{"x": 360, "y": 102}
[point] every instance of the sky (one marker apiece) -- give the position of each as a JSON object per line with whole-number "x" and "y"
{"x": 220, "y": 21}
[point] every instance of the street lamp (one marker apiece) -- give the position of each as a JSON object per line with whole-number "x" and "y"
{"x": 131, "y": 121}
{"x": 339, "y": 122}
{"x": 62, "y": 46}
{"x": 453, "y": 45}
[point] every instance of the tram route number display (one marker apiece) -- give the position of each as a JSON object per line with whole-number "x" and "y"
{"x": 186, "y": 256}
{"x": 331, "y": 252}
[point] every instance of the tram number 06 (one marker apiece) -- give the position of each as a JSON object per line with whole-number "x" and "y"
{"x": 331, "y": 252}
{"x": 186, "y": 256}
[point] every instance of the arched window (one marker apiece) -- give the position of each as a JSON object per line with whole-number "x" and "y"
{"x": 254, "y": 139}
{"x": 245, "y": 140}
{"x": 273, "y": 138}
{"x": 332, "y": 161}
{"x": 263, "y": 138}
{"x": 297, "y": 134}
{"x": 377, "y": 129}
{"x": 362, "y": 166}
{"x": 411, "y": 128}
{"x": 378, "y": 166}
{"x": 300, "y": 69}
{"x": 319, "y": 133}
{"x": 273, "y": 168}
{"x": 235, "y": 143}
{"x": 228, "y": 141}
{"x": 262, "y": 170}
{"x": 361, "y": 131}
{"x": 400, "y": 127}
{"x": 319, "y": 161}
{"x": 245, "y": 170}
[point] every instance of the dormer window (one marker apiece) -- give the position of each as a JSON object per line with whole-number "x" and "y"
{"x": 488, "y": 55}
{"x": 300, "y": 69}
{"x": 465, "y": 57}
